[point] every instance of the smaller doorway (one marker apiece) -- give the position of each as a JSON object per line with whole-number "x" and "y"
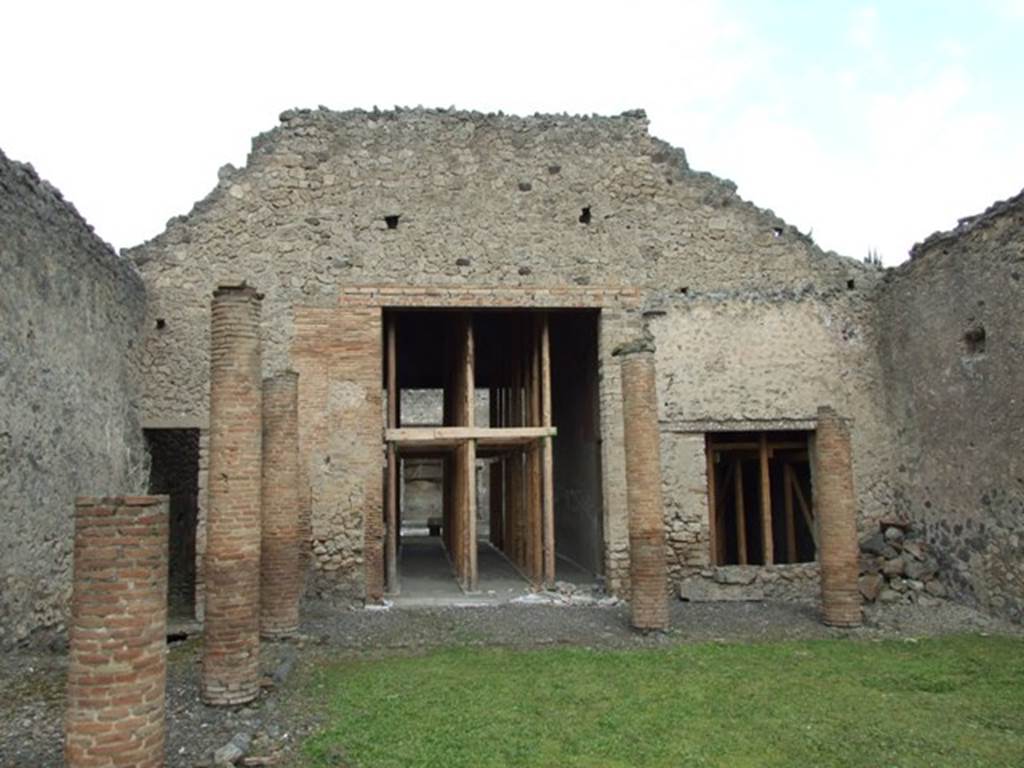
{"x": 174, "y": 471}
{"x": 760, "y": 498}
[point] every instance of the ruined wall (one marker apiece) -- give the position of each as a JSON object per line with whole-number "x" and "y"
{"x": 70, "y": 315}
{"x": 766, "y": 361}
{"x": 539, "y": 205}
{"x": 953, "y": 344}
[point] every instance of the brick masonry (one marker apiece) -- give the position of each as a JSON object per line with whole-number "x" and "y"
{"x": 648, "y": 570}
{"x": 280, "y": 563}
{"x": 230, "y": 663}
{"x": 489, "y": 213}
{"x": 118, "y": 634}
{"x": 836, "y": 509}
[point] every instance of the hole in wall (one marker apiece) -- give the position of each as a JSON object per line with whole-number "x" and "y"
{"x": 160, "y": 323}
{"x": 554, "y": 168}
{"x": 392, "y": 221}
{"x": 685, "y": 290}
{"x": 585, "y": 215}
{"x": 851, "y": 284}
{"x": 974, "y": 340}
{"x": 776, "y": 231}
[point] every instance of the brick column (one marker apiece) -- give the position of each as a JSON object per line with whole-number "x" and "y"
{"x": 280, "y": 562}
{"x": 836, "y": 509}
{"x": 230, "y": 673}
{"x": 647, "y": 559}
{"x": 117, "y": 661}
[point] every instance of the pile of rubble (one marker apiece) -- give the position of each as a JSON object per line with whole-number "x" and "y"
{"x": 896, "y": 566}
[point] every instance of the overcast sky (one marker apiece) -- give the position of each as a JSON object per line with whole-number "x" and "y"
{"x": 870, "y": 125}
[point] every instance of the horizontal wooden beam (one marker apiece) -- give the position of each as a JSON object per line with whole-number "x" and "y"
{"x": 756, "y": 447}
{"x": 450, "y": 437}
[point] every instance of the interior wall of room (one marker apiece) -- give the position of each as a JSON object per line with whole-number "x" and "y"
{"x": 577, "y": 447}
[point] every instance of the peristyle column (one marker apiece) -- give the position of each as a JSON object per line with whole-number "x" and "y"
{"x": 836, "y": 510}
{"x": 117, "y": 662}
{"x": 647, "y": 559}
{"x": 231, "y": 641}
{"x": 281, "y": 576}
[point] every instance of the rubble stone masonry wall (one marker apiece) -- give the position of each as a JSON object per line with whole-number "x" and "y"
{"x": 447, "y": 202}
{"x": 70, "y": 344}
{"x": 953, "y": 344}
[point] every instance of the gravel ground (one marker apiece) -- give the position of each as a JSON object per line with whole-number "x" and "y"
{"x": 32, "y": 705}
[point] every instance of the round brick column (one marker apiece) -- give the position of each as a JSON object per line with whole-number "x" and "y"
{"x": 647, "y": 559}
{"x": 836, "y": 508}
{"x": 117, "y": 665}
{"x": 231, "y": 642}
{"x": 280, "y": 558}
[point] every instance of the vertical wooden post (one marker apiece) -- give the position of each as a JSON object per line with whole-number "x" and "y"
{"x": 472, "y": 576}
{"x": 787, "y": 486}
{"x": 712, "y": 509}
{"x": 547, "y": 448}
{"x": 391, "y": 496}
{"x": 767, "y": 538}
{"x": 741, "y": 516}
{"x": 536, "y": 521}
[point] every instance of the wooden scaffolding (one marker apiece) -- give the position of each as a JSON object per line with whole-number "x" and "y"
{"x": 517, "y": 441}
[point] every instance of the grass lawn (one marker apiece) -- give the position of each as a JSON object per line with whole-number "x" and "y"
{"x": 956, "y": 701}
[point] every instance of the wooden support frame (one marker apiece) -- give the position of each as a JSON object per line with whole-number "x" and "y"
{"x": 767, "y": 542}
{"x": 776, "y": 458}
{"x": 391, "y": 493}
{"x": 547, "y": 454}
{"x": 788, "y": 511}
{"x": 741, "y": 520}
{"x": 713, "y": 496}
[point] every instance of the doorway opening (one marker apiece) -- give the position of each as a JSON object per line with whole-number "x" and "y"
{"x": 760, "y": 498}
{"x": 174, "y": 471}
{"x": 492, "y": 437}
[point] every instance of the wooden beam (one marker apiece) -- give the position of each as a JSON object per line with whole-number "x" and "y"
{"x": 391, "y": 493}
{"x": 472, "y": 582}
{"x": 767, "y": 536}
{"x": 787, "y": 495}
{"x": 712, "y": 510}
{"x": 391, "y": 532}
{"x": 756, "y": 446}
{"x": 536, "y": 498}
{"x": 547, "y": 454}
{"x": 411, "y": 439}
{"x": 725, "y": 482}
{"x": 741, "y": 521}
{"x": 805, "y": 509}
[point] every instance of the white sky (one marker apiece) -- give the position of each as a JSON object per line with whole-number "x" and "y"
{"x": 870, "y": 125}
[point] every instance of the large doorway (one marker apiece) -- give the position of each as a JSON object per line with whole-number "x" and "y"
{"x": 492, "y": 438}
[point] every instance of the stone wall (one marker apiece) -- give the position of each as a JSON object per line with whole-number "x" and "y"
{"x": 447, "y": 202}
{"x": 953, "y": 345}
{"x": 70, "y": 323}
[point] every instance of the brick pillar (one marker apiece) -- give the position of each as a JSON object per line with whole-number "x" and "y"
{"x": 231, "y": 642}
{"x": 647, "y": 559}
{"x": 117, "y": 665}
{"x": 836, "y": 509}
{"x": 280, "y": 562}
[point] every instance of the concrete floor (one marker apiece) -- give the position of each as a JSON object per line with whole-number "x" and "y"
{"x": 426, "y": 577}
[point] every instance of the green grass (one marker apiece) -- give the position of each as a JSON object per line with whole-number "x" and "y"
{"x": 955, "y": 701}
